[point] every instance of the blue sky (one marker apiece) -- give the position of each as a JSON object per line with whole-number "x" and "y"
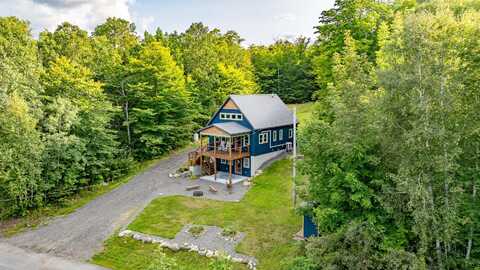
{"x": 259, "y": 22}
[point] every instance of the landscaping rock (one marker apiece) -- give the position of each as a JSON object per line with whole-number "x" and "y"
{"x": 209, "y": 253}
{"x": 188, "y": 188}
{"x": 197, "y": 193}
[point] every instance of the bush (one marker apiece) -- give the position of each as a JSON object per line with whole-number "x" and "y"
{"x": 229, "y": 232}
{"x": 196, "y": 230}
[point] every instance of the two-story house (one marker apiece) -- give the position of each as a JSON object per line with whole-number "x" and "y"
{"x": 246, "y": 132}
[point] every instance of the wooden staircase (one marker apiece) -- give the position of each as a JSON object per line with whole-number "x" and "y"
{"x": 194, "y": 159}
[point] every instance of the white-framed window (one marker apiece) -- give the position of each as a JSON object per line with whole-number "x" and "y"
{"x": 246, "y": 163}
{"x": 223, "y": 161}
{"x": 280, "y": 134}
{"x": 263, "y": 137}
{"x": 246, "y": 140}
{"x": 290, "y": 133}
{"x": 274, "y": 136}
{"x": 231, "y": 116}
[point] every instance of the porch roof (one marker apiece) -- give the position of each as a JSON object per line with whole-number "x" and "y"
{"x": 225, "y": 129}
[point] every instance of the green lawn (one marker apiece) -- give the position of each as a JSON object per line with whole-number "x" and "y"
{"x": 266, "y": 215}
{"x": 304, "y": 112}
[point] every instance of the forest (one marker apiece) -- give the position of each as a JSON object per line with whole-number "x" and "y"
{"x": 391, "y": 154}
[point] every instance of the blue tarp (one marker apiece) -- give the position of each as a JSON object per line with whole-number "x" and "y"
{"x": 309, "y": 227}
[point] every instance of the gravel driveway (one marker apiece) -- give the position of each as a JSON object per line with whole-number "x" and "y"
{"x": 81, "y": 234}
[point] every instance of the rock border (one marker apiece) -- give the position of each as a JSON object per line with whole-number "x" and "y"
{"x": 174, "y": 245}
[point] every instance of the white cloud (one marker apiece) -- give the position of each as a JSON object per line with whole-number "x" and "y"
{"x": 286, "y": 17}
{"x": 144, "y": 24}
{"x": 47, "y": 14}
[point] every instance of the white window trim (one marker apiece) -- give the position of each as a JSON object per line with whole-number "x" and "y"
{"x": 280, "y": 135}
{"x": 263, "y": 137}
{"x": 246, "y": 163}
{"x": 274, "y": 136}
{"x": 246, "y": 140}
{"x": 231, "y": 116}
{"x": 290, "y": 133}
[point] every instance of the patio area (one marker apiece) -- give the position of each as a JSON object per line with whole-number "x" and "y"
{"x": 222, "y": 178}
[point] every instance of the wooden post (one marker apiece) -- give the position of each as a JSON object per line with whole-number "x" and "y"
{"x": 230, "y": 163}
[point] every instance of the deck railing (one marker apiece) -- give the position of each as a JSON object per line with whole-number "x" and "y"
{"x": 225, "y": 153}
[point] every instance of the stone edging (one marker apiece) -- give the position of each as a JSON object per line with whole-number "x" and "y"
{"x": 174, "y": 245}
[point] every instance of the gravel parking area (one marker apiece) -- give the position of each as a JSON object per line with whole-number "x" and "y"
{"x": 81, "y": 234}
{"x": 13, "y": 258}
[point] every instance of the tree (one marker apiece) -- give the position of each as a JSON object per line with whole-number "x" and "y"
{"x": 20, "y": 143}
{"x": 68, "y": 41}
{"x": 360, "y": 18}
{"x": 345, "y": 175}
{"x": 285, "y": 68}
{"x": 21, "y": 148}
{"x": 74, "y": 83}
{"x": 119, "y": 33}
{"x": 206, "y": 57}
{"x": 161, "y": 106}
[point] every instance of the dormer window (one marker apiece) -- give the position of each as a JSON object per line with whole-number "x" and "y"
{"x": 231, "y": 116}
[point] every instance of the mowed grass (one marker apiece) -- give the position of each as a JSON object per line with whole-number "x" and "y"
{"x": 127, "y": 253}
{"x": 265, "y": 214}
{"x": 304, "y": 112}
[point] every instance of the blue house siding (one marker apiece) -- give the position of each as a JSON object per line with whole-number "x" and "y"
{"x": 271, "y": 146}
{"x": 224, "y": 168}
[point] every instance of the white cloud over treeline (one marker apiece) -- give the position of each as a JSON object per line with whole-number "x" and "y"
{"x": 47, "y": 14}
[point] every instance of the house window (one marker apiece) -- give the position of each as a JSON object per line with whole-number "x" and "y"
{"x": 280, "y": 134}
{"x": 263, "y": 137}
{"x": 274, "y": 136}
{"x": 231, "y": 116}
{"x": 246, "y": 140}
{"x": 223, "y": 161}
{"x": 290, "y": 133}
{"x": 246, "y": 163}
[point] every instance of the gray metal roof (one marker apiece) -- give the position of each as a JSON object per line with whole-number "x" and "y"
{"x": 232, "y": 128}
{"x": 264, "y": 111}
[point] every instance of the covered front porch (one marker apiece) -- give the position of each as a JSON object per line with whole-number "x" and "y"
{"x": 222, "y": 153}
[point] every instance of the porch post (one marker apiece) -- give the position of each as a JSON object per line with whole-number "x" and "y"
{"x": 215, "y": 159}
{"x": 230, "y": 163}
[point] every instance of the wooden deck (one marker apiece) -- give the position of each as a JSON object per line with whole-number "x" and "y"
{"x": 236, "y": 153}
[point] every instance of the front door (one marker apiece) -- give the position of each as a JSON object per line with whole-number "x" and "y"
{"x": 238, "y": 166}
